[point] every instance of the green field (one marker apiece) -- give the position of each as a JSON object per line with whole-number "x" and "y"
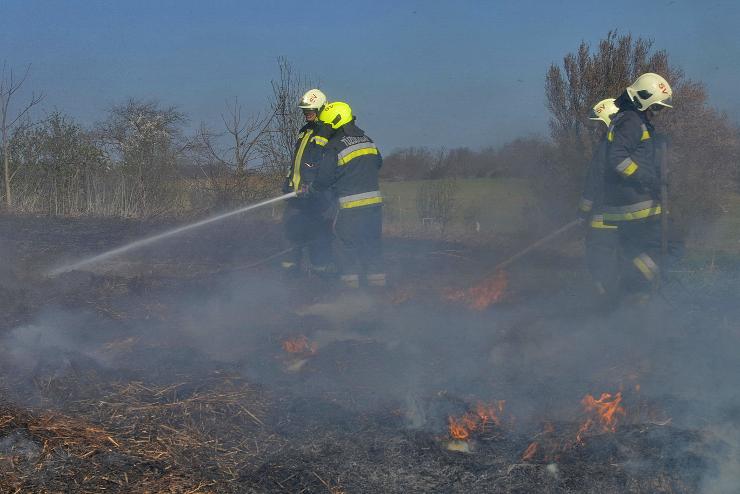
{"x": 481, "y": 206}
{"x": 506, "y": 206}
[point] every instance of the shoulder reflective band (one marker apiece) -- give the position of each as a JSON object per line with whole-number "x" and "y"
{"x": 646, "y": 265}
{"x": 352, "y": 152}
{"x": 643, "y": 137}
{"x": 597, "y": 221}
{"x": 627, "y": 167}
{"x": 645, "y": 133}
{"x": 321, "y": 141}
{"x": 586, "y": 205}
{"x": 358, "y": 200}
{"x": 637, "y": 211}
{"x": 298, "y": 158}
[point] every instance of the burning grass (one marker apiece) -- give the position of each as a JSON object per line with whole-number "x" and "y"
{"x": 483, "y": 294}
{"x": 481, "y": 420}
{"x": 329, "y": 429}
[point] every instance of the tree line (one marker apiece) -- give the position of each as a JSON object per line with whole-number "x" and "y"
{"x": 138, "y": 161}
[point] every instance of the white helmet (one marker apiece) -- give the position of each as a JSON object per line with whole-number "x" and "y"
{"x": 313, "y": 99}
{"x": 603, "y": 110}
{"x": 650, "y": 89}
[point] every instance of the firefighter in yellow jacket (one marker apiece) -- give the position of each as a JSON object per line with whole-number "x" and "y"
{"x": 349, "y": 169}
{"x": 307, "y": 220}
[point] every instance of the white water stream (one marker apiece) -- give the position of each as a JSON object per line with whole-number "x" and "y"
{"x": 155, "y": 238}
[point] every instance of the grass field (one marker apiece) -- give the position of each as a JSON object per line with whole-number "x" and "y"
{"x": 490, "y": 207}
{"x": 481, "y": 206}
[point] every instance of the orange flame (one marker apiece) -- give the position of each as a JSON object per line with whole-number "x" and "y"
{"x": 300, "y": 345}
{"x": 605, "y": 411}
{"x": 489, "y": 291}
{"x": 461, "y": 428}
{"x": 484, "y": 294}
{"x": 530, "y": 451}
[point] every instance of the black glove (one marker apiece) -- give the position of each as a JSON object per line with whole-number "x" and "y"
{"x": 287, "y": 187}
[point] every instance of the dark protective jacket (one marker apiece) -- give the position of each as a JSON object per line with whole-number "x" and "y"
{"x": 349, "y": 168}
{"x": 308, "y": 148}
{"x": 632, "y": 175}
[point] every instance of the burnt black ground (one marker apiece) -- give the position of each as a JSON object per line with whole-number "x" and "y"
{"x": 367, "y": 412}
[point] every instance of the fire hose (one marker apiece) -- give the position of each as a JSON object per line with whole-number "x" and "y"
{"x": 155, "y": 238}
{"x": 538, "y": 243}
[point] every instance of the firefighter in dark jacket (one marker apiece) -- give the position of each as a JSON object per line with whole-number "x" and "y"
{"x": 349, "y": 169}
{"x": 632, "y": 181}
{"x": 601, "y": 239}
{"x": 307, "y": 220}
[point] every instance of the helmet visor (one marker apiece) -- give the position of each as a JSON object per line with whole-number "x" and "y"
{"x": 668, "y": 103}
{"x": 592, "y": 115}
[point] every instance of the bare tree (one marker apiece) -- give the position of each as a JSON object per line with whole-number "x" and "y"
{"x": 587, "y": 77}
{"x": 9, "y": 119}
{"x": 245, "y": 135}
{"x": 288, "y": 119}
{"x": 224, "y": 158}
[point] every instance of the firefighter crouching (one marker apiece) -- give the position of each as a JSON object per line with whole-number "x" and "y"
{"x": 632, "y": 181}
{"x": 349, "y": 169}
{"x": 307, "y": 220}
{"x": 601, "y": 239}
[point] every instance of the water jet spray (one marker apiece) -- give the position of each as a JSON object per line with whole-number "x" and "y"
{"x": 169, "y": 233}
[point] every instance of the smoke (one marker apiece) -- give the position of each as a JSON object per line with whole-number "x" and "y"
{"x": 427, "y": 358}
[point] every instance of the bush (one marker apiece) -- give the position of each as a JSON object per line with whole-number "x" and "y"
{"x": 436, "y": 201}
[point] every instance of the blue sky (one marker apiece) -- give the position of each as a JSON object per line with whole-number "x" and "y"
{"x": 417, "y": 73}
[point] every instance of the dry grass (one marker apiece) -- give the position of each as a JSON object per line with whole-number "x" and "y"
{"x": 137, "y": 438}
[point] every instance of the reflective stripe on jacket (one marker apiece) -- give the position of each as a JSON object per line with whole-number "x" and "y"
{"x": 349, "y": 167}
{"x": 632, "y": 172}
{"x": 307, "y": 153}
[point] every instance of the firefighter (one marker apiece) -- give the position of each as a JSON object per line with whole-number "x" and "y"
{"x": 307, "y": 220}
{"x": 601, "y": 239}
{"x": 349, "y": 169}
{"x": 632, "y": 182}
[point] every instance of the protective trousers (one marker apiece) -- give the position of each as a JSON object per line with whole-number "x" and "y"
{"x": 359, "y": 232}
{"x": 602, "y": 248}
{"x": 306, "y": 226}
{"x": 639, "y": 243}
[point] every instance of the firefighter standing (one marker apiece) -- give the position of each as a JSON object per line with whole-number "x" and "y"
{"x": 632, "y": 181}
{"x": 349, "y": 169}
{"x": 601, "y": 239}
{"x": 307, "y": 219}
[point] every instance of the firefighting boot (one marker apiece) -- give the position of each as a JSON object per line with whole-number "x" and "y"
{"x": 324, "y": 271}
{"x": 291, "y": 269}
{"x": 350, "y": 280}
{"x": 376, "y": 279}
